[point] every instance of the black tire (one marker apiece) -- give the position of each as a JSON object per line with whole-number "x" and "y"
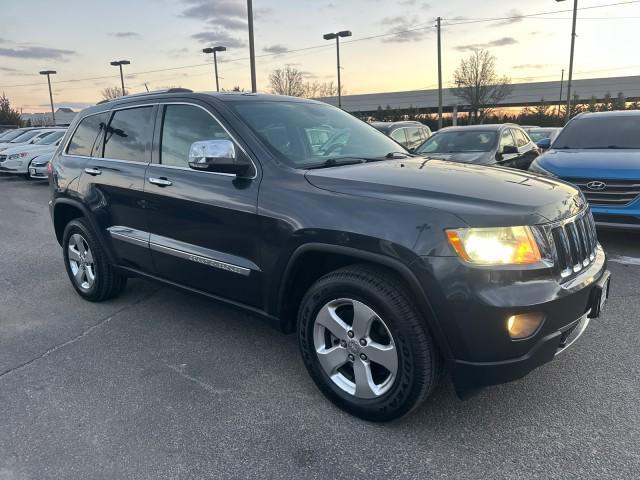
{"x": 108, "y": 283}
{"x": 419, "y": 365}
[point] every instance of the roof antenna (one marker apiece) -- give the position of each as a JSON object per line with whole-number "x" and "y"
{"x": 145, "y": 86}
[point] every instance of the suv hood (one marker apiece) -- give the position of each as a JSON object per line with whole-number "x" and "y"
{"x": 606, "y": 163}
{"x": 480, "y": 196}
{"x": 464, "y": 157}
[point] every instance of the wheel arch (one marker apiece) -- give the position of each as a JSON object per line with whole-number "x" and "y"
{"x": 313, "y": 260}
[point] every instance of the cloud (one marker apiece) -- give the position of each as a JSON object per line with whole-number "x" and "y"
{"x": 530, "y": 66}
{"x": 7, "y": 69}
{"x": 275, "y": 49}
{"x": 36, "y": 53}
{"x": 124, "y": 34}
{"x": 404, "y": 28}
{"x": 500, "y": 42}
{"x": 229, "y": 23}
{"x": 219, "y": 37}
{"x": 415, "y": 3}
{"x": 515, "y": 16}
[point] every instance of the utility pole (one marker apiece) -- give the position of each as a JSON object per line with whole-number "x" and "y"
{"x": 252, "y": 51}
{"x": 48, "y": 73}
{"x": 439, "y": 77}
{"x": 573, "y": 43}
{"x": 560, "y": 102}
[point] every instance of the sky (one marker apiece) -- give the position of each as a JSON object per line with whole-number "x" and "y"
{"x": 163, "y": 39}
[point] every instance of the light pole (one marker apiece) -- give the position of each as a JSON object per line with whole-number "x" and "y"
{"x": 252, "y": 49}
{"x": 573, "y": 42}
{"x": 331, "y": 36}
{"x": 120, "y": 63}
{"x": 439, "y": 76}
{"x": 560, "y": 102}
{"x": 214, "y": 50}
{"x": 48, "y": 73}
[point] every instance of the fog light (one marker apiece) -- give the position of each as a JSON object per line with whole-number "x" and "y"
{"x": 524, "y": 325}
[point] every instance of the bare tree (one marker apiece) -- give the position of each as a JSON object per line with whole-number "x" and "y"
{"x": 320, "y": 89}
{"x": 478, "y": 84}
{"x": 287, "y": 81}
{"x": 110, "y": 93}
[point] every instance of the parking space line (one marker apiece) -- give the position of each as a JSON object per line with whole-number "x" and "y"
{"x": 625, "y": 260}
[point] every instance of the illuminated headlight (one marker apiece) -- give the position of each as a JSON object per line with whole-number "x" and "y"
{"x": 495, "y": 246}
{"x": 16, "y": 156}
{"x": 536, "y": 168}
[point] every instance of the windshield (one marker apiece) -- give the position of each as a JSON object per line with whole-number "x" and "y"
{"x": 537, "y": 135}
{"x": 607, "y": 131}
{"x": 11, "y": 135}
{"x": 26, "y": 136}
{"x": 460, "y": 141}
{"x": 309, "y": 134}
{"x": 51, "y": 138}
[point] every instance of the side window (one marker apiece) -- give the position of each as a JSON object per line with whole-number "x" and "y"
{"x": 426, "y": 133}
{"x": 414, "y": 137}
{"x": 520, "y": 136}
{"x": 506, "y": 139}
{"x": 85, "y": 139}
{"x": 128, "y": 136}
{"x": 399, "y": 136}
{"x": 182, "y": 126}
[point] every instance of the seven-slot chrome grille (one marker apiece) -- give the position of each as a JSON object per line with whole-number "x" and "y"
{"x": 575, "y": 243}
{"x": 608, "y": 192}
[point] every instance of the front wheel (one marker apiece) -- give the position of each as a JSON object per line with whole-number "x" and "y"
{"x": 365, "y": 344}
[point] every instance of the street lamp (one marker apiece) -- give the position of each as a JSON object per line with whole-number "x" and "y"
{"x": 252, "y": 48}
{"x": 48, "y": 73}
{"x": 215, "y": 60}
{"x": 573, "y": 42}
{"x": 331, "y": 36}
{"x": 120, "y": 63}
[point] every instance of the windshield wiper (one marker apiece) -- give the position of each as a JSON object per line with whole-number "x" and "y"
{"x": 334, "y": 162}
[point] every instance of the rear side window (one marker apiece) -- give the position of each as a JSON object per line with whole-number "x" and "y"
{"x": 520, "y": 136}
{"x": 128, "y": 136}
{"x": 85, "y": 139}
{"x": 182, "y": 126}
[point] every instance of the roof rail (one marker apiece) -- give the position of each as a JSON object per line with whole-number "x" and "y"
{"x": 143, "y": 94}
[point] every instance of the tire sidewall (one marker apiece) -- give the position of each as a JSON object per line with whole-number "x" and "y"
{"x": 406, "y": 388}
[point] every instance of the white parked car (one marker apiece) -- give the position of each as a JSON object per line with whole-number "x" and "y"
{"x": 18, "y": 159}
{"x": 39, "y": 167}
{"x": 29, "y": 137}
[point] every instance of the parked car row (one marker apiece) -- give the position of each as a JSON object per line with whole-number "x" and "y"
{"x": 20, "y": 148}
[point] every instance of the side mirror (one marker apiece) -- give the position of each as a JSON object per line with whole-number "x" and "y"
{"x": 216, "y": 156}
{"x": 544, "y": 144}
{"x": 509, "y": 149}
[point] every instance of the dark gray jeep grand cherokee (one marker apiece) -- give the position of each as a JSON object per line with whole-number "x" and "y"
{"x": 390, "y": 267}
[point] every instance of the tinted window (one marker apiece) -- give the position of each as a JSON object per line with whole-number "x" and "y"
{"x": 84, "y": 141}
{"x": 506, "y": 139}
{"x": 283, "y": 126}
{"x": 399, "y": 136}
{"x": 182, "y": 126}
{"x": 606, "y": 131}
{"x": 414, "y": 137}
{"x": 50, "y": 139}
{"x": 128, "y": 136}
{"x": 25, "y": 137}
{"x": 460, "y": 141}
{"x": 521, "y": 138}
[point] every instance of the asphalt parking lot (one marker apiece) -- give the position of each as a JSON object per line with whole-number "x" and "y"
{"x": 160, "y": 383}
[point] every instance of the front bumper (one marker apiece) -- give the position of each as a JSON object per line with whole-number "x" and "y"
{"x": 14, "y": 166}
{"x": 477, "y": 304}
{"x": 38, "y": 171}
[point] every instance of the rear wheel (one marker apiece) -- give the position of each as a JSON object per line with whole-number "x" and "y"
{"x": 87, "y": 264}
{"x": 365, "y": 344}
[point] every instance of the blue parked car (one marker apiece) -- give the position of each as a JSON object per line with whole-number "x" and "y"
{"x": 600, "y": 153}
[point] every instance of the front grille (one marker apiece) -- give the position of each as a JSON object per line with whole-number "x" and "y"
{"x": 610, "y": 192}
{"x": 575, "y": 242}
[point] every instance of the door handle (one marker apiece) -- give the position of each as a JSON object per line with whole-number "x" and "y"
{"x": 93, "y": 171}
{"x": 161, "y": 182}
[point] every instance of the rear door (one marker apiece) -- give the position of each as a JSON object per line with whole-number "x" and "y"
{"x": 414, "y": 137}
{"x": 528, "y": 150}
{"x": 204, "y": 227}
{"x": 112, "y": 182}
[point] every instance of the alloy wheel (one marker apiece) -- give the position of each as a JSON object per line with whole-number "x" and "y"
{"x": 81, "y": 262}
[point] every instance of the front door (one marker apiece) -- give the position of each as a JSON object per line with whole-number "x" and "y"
{"x": 507, "y": 159}
{"x": 203, "y": 225}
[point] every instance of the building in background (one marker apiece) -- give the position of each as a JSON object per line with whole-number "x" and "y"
{"x": 64, "y": 116}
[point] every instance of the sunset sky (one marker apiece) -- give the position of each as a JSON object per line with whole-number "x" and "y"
{"x": 79, "y": 38}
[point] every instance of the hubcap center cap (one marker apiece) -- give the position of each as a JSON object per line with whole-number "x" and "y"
{"x": 353, "y": 346}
